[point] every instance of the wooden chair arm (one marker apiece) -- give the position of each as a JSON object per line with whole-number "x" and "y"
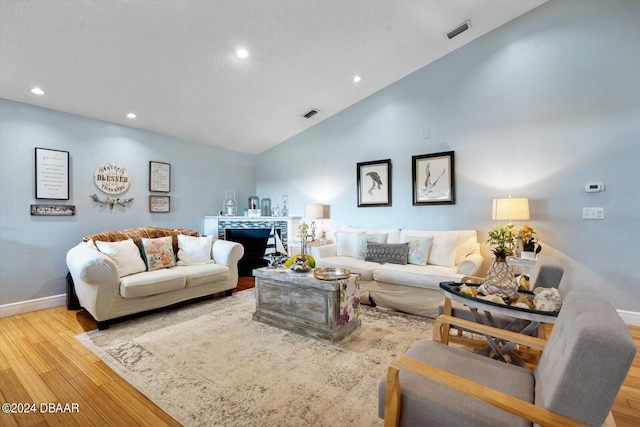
{"x": 477, "y": 391}
{"x": 472, "y": 279}
{"x": 443, "y": 322}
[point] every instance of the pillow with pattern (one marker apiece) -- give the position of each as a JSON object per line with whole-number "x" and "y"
{"x": 158, "y": 252}
{"x": 394, "y": 253}
{"x": 419, "y": 248}
{"x": 363, "y": 239}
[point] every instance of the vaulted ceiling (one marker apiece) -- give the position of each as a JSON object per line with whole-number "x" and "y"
{"x": 174, "y": 64}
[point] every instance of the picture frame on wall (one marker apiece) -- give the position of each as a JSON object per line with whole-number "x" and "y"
{"x": 161, "y": 204}
{"x": 52, "y": 174}
{"x": 374, "y": 183}
{"x": 159, "y": 177}
{"x": 433, "y": 179}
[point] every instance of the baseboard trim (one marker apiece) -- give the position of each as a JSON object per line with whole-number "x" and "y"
{"x": 32, "y": 305}
{"x": 630, "y": 317}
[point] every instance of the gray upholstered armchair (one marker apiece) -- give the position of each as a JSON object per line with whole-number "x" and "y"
{"x": 583, "y": 365}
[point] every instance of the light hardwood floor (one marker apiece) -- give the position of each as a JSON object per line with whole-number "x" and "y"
{"x": 42, "y": 362}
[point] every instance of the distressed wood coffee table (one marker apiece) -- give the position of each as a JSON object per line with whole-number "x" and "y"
{"x": 327, "y": 310}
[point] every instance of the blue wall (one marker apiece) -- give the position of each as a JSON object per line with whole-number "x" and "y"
{"x": 537, "y": 108}
{"x": 33, "y": 248}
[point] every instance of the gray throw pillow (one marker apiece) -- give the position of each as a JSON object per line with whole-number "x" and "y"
{"x": 392, "y": 253}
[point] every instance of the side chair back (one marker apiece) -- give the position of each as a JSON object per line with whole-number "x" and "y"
{"x": 585, "y": 361}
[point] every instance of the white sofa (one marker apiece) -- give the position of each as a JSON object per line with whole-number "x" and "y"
{"x": 108, "y": 290}
{"x": 412, "y": 287}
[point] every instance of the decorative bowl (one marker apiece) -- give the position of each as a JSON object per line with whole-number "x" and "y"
{"x": 331, "y": 273}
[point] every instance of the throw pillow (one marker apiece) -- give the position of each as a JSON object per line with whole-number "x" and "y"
{"x": 394, "y": 253}
{"x": 443, "y": 251}
{"x": 465, "y": 248}
{"x": 363, "y": 239}
{"x": 194, "y": 250}
{"x": 347, "y": 244}
{"x": 158, "y": 252}
{"x": 419, "y": 248}
{"x": 125, "y": 254}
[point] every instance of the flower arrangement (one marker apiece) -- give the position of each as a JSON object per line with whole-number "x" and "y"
{"x": 529, "y": 238}
{"x": 501, "y": 240}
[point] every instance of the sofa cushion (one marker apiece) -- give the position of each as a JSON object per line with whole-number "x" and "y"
{"x": 194, "y": 250}
{"x": 124, "y": 254}
{"x": 392, "y": 253}
{"x": 443, "y": 251}
{"x": 425, "y": 276}
{"x": 364, "y": 239}
{"x": 204, "y": 273}
{"x": 347, "y": 244}
{"x": 158, "y": 253}
{"x": 151, "y": 283}
{"x": 354, "y": 265}
{"x": 419, "y": 248}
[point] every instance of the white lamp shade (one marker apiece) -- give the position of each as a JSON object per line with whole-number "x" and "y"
{"x": 313, "y": 210}
{"x": 510, "y": 209}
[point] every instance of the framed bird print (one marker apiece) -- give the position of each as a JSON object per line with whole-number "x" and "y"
{"x": 433, "y": 179}
{"x": 374, "y": 183}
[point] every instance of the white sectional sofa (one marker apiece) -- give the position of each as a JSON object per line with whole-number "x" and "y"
{"x": 120, "y": 273}
{"x": 411, "y": 287}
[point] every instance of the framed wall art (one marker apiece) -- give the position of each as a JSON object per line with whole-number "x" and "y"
{"x": 374, "y": 183}
{"x": 52, "y": 174}
{"x": 159, "y": 177}
{"x": 53, "y": 210}
{"x": 159, "y": 204}
{"x": 434, "y": 179}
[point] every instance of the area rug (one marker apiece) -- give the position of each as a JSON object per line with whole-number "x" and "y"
{"x": 210, "y": 364}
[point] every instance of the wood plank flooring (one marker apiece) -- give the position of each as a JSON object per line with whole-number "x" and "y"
{"x": 41, "y": 362}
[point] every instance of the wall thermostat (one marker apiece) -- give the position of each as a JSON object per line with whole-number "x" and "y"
{"x": 594, "y": 188}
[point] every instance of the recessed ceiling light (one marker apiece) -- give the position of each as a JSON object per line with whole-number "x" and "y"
{"x": 356, "y": 78}
{"x": 242, "y": 53}
{"x": 132, "y": 115}
{"x": 37, "y": 91}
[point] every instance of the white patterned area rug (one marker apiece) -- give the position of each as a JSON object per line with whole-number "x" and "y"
{"x": 210, "y": 364}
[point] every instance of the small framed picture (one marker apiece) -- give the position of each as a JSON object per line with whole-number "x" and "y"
{"x": 52, "y": 174}
{"x": 434, "y": 179}
{"x": 159, "y": 204}
{"x": 374, "y": 183}
{"x": 159, "y": 177}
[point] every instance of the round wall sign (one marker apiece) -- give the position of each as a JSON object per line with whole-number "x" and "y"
{"x": 111, "y": 179}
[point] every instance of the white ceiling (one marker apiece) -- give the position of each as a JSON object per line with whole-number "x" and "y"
{"x": 173, "y": 62}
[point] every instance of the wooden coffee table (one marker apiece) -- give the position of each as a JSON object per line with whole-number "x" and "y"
{"x": 300, "y": 303}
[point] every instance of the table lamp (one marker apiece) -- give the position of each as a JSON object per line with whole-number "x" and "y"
{"x": 510, "y": 209}
{"x": 313, "y": 211}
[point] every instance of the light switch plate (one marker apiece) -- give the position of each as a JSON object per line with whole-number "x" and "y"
{"x": 593, "y": 213}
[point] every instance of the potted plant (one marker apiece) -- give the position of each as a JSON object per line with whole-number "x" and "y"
{"x": 500, "y": 278}
{"x": 530, "y": 245}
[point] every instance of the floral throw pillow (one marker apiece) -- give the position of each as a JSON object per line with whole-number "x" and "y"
{"x": 158, "y": 253}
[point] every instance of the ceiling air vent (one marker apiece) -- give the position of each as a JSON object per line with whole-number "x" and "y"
{"x": 459, "y": 29}
{"x": 310, "y": 113}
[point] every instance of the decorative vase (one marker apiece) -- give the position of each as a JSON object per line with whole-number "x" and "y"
{"x": 499, "y": 279}
{"x": 266, "y": 206}
{"x": 230, "y": 204}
